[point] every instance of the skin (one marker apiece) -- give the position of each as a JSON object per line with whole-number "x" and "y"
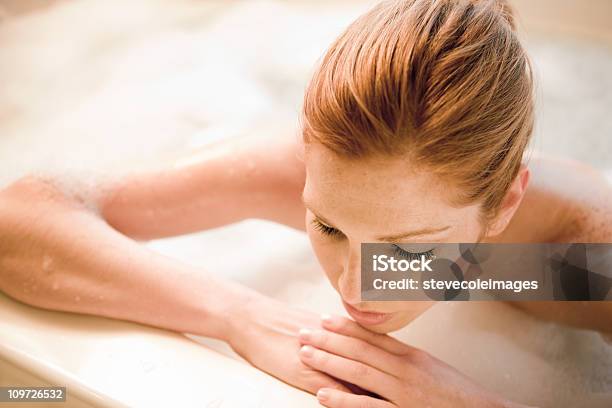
{"x": 376, "y": 207}
{"x": 271, "y": 179}
{"x": 401, "y": 375}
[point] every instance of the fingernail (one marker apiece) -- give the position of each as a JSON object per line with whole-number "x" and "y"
{"x": 322, "y": 394}
{"x": 305, "y": 334}
{"x": 326, "y": 319}
{"x": 307, "y": 351}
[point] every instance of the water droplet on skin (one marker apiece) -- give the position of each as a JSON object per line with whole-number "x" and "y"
{"x": 46, "y": 264}
{"x": 55, "y": 286}
{"x": 101, "y": 297}
{"x": 77, "y": 298}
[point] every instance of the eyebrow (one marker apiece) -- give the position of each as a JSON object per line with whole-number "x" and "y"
{"x": 409, "y": 234}
{"x": 387, "y": 238}
{"x": 315, "y": 212}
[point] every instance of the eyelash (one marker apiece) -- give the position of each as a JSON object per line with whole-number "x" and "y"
{"x": 413, "y": 255}
{"x": 336, "y": 233}
{"x": 325, "y": 229}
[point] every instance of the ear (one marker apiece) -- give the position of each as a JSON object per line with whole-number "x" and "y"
{"x": 511, "y": 202}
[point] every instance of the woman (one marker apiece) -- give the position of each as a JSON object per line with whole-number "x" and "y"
{"x": 414, "y": 129}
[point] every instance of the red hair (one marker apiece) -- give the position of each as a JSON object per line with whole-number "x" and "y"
{"x": 444, "y": 83}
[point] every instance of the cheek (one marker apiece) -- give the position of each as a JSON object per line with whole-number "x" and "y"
{"x": 329, "y": 253}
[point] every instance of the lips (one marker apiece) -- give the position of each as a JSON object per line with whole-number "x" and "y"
{"x": 366, "y": 318}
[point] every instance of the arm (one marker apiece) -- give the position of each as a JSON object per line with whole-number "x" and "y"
{"x": 52, "y": 239}
{"x": 224, "y": 183}
{"x": 57, "y": 254}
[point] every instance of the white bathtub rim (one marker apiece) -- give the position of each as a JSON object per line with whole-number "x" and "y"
{"x": 54, "y": 375}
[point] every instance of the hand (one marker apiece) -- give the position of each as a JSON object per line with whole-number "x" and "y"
{"x": 265, "y": 332}
{"x": 403, "y": 376}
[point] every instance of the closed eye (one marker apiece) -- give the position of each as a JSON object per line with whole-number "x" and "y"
{"x": 326, "y": 229}
{"x": 399, "y": 251}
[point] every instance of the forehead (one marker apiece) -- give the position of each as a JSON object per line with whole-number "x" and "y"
{"x": 376, "y": 189}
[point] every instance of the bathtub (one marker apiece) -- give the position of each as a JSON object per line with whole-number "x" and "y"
{"x": 165, "y": 81}
{"x": 109, "y": 363}
{"x": 106, "y": 363}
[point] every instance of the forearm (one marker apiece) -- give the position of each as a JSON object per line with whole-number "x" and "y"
{"x": 56, "y": 255}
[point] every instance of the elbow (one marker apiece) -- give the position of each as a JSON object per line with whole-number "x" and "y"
{"x": 28, "y": 209}
{"x": 33, "y": 281}
{"x": 32, "y": 287}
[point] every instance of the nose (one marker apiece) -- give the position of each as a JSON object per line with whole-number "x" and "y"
{"x": 349, "y": 284}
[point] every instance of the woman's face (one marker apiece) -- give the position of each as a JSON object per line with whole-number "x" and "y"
{"x": 376, "y": 200}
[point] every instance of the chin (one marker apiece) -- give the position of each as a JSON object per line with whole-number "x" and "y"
{"x": 409, "y": 312}
{"x": 382, "y": 328}
{"x": 394, "y": 324}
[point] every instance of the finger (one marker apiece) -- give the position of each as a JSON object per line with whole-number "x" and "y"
{"x": 368, "y": 378}
{"x": 315, "y": 380}
{"x": 353, "y": 348}
{"x": 339, "y": 399}
{"x": 348, "y": 327}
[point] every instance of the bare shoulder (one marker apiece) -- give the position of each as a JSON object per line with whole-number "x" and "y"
{"x": 566, "y": 201}
{"x": 589, "y": 202}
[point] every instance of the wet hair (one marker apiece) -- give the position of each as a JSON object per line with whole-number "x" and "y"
{"x": 445, "y": 84}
